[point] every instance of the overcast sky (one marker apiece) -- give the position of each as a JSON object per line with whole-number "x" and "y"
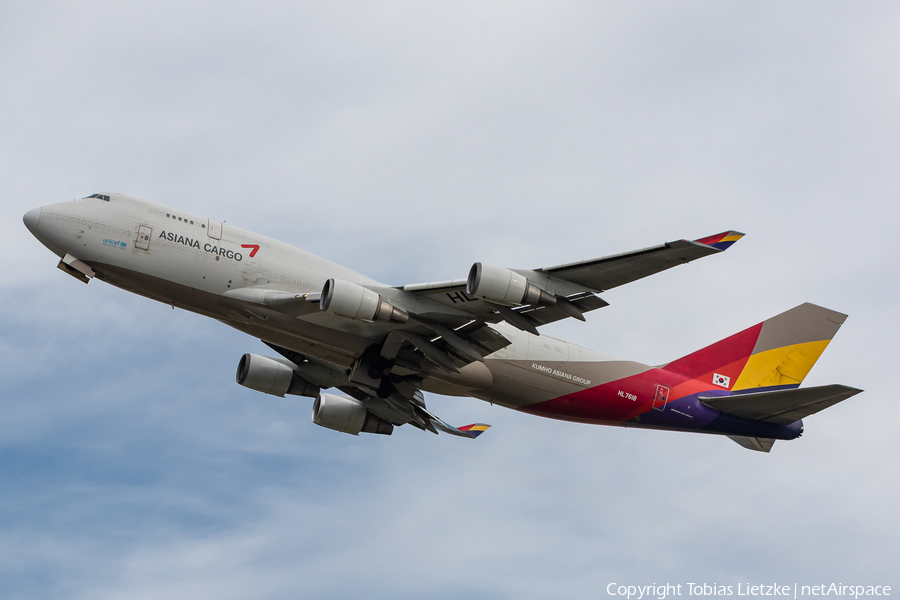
{"x": 408, "y": 140}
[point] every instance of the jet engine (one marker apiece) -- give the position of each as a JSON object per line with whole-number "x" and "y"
{"x": 496, "y": 284}
{"x": 353, "y": 301}
{"x": 271, "y": 376}
{"x": 347, "y": 415}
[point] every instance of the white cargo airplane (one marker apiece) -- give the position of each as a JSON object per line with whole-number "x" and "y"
{"x": 383, "y": 345}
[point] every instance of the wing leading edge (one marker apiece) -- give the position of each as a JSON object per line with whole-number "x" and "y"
{"x": 606, "y": 273}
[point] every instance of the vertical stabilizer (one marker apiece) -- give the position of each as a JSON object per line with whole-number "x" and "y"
{"x": 775, "y": 354}
{"x": 788, "y": 347}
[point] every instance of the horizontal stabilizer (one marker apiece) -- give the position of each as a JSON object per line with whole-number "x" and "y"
{"x": 754, "y": 443}
{"x": 781, "y": 407}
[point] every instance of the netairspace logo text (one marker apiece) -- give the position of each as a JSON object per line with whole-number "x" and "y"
{"x": 663, "y": 591}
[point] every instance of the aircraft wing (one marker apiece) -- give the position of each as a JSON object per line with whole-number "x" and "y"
{"x": 399, "y": 404}
{"x": 570, "y": 289}
{"x": 606, "y": 273}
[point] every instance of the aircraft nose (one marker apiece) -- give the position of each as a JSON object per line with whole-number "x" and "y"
{"x": 31, "y": 219}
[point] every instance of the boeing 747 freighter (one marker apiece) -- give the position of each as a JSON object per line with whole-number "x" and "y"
{"x": 382, "y": 346}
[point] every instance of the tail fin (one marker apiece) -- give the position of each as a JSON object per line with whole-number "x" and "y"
{"x": 775, "y": 354}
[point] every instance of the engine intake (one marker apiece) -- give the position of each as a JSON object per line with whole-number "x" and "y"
{"x": 354, "y": 301}
{"x": 347, "y": 415}
{"x": 503, "y": 286}
{"x": 271, "y": 376}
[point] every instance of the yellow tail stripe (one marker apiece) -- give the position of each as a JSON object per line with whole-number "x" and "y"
{"x": 780, "y": 366}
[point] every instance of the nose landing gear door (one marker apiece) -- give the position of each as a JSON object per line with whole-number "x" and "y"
{"x": 142, "y": 240}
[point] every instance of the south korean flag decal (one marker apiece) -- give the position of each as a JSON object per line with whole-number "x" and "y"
{"x": 721, "y": 380}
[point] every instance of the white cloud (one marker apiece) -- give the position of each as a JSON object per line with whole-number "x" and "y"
{"x": 408, "y": 141}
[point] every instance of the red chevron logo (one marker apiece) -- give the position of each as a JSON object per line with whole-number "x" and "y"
{"x": 252, "y": 252}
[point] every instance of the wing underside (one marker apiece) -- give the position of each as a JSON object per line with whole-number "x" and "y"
{"x": 400, "y": 403}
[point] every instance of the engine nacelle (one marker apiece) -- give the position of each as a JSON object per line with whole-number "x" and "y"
{"x": 347, "y": 415}
{"x": 354, "y": 301}
{"x": 502, "y": 286}
{"x": 270, "y": 376}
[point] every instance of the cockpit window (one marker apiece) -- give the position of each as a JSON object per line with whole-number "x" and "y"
{"x": 100, "y": 196}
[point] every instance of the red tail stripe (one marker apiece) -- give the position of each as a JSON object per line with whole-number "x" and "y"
{"x": 727, "y": 351}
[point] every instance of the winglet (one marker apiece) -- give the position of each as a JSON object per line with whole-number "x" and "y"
{"x": 474, "y": 430}
{"x": 470, "y": 431}
{"x": 721, "y": 241}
